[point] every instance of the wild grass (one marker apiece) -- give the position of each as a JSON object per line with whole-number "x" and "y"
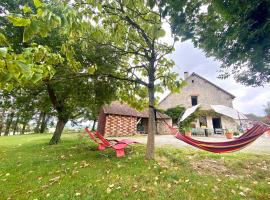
{"x": 31, "y": 169}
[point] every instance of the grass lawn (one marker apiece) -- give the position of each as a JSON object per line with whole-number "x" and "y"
{"x": 31, "y": 169}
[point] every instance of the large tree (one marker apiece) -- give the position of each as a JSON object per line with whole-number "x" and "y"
{"x": 136, "y": 34}
{"x": 56, "y": 29}
{"x": 237, "y": 33}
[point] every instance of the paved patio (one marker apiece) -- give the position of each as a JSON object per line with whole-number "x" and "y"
{"x": 261, "y": 145}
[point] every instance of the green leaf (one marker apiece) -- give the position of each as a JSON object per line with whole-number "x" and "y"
{"x": 39, "y": 12}
{"x": 38, "y": 3}
{"x": 36, "y": 77}
{"x": 29, "y": 31}
{"x": 91, "y": 70}
{"x": 19, "y": 21}
{"x": 9, "y": 87}
{"x": 23, "y": 66}
{"x": 3, "y": 40}
{"x": 27, "y": 9}
{"x": 3, "y": 52}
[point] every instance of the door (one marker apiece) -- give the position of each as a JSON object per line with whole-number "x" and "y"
{"x": 217, "y": 125}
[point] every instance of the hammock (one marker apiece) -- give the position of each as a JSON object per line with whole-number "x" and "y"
{"x": 224, "y": 147}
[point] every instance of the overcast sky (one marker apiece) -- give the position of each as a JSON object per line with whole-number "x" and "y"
{"x": 188, "y": 58}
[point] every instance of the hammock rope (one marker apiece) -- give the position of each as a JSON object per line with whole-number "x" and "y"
{"x": 223, "y": 147}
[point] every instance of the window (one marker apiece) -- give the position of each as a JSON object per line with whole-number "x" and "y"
{"x": 194, "y": 100}
{"x": 192, "y": 81}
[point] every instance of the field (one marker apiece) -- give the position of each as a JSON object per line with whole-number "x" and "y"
{"x": 31, "y": 169}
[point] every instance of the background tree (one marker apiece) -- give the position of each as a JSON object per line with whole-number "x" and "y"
{"x": 237, "y": 33}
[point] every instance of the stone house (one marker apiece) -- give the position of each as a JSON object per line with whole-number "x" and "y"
{"x": 119, "y": 119}
{"x": 199, "y": 90}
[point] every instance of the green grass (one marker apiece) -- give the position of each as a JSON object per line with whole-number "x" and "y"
{"x": 31, "y": 169}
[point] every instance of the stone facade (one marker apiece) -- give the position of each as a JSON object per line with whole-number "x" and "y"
{"x": 163, "y": 129}
{"x": 207, "y": 94}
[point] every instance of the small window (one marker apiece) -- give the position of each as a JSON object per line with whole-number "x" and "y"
{"x": 194, "y": 100}
{"x": 192, "y": 81}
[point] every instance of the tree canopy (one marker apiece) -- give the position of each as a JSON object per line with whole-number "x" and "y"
{"x": 68, "y": 45}
{"x": 237, "y": 33}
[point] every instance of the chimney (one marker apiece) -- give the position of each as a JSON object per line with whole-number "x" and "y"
{"x": 186, "y": 74}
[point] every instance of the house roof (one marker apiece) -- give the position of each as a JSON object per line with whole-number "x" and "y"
{"x": 118, "y": 108}
{"x": 145, "y": 114}
{"x": 195, "y": 74}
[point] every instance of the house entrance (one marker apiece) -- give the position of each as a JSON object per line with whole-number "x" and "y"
{"x": 217, "y": 125}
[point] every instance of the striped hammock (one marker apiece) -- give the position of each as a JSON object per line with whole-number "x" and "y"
{"x": 228, "y": 146}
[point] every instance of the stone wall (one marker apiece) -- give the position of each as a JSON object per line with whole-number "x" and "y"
{"x": 118, "y": 125}
{"x": 196, "y": 86}
{"x": 228, "y": 123}
{"x": 162, "y": 128}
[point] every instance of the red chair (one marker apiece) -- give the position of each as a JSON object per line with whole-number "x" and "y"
{"x": 118, "y": 145}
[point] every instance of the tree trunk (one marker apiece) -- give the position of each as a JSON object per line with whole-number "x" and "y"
{"x": 1, "y": 128}
{"x": 37, "y": 128}
{"x": 43, "y": 123}
{"x": 2, "y": 121}
{"x": 23, "y": 128}
{"x": 8, "y": 123}
{"x": 15, "y": 125}
{"x": 58, "y": 131}
{"x": 152, "y": 128}
{"x": 94, "y": 124}
{"x": 59, "y": 106}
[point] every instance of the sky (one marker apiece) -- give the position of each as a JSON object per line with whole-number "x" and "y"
{"x": 191, "y": 59}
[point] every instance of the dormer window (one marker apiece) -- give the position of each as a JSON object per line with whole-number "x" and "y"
{"x": 194, "y": 100}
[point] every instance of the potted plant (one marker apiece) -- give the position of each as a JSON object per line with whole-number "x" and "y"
{"x": 229, "y": 134}
{"x": 235, "y": 133}
{"x": 188, "y": 132}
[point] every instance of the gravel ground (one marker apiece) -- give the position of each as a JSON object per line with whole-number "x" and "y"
{"x": 261, "y": 145}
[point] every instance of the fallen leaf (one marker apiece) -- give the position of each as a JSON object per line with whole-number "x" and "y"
{"x": 44, "y": 186}
{"x": 242, "y": 194}
{"x": 109, "y": 190}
